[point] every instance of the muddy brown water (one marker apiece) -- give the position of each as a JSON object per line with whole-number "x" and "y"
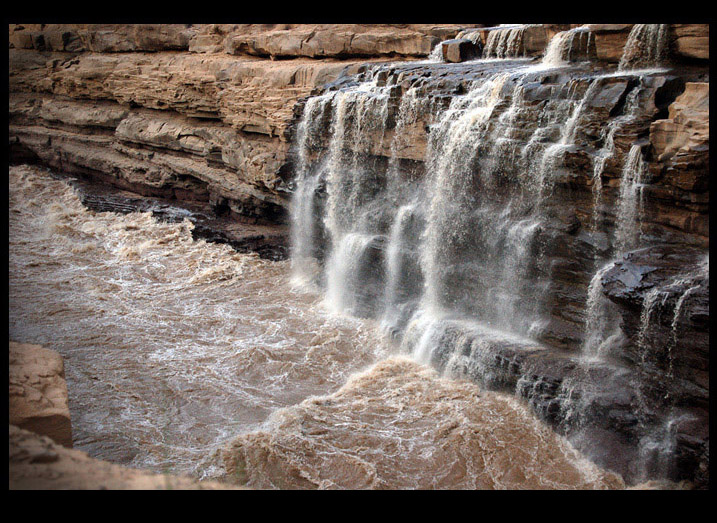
{"x": 185, "y": 356}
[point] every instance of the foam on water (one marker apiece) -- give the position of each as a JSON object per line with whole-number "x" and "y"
{"x": 400, "y": 425}
{"x": 171, "y": 345}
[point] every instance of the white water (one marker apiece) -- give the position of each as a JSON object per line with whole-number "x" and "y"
{"x": 174, "y": 347}
{"x": 506, "y": 42}
{"x": 563, "y": 47}
{"x": 629, "y": 203}
{"x": 646, "y": 46}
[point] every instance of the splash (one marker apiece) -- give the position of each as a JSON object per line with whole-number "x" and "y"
{"x": 398, "y": 425}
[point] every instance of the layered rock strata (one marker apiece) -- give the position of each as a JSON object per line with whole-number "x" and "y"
{"x": 196, "y": 112}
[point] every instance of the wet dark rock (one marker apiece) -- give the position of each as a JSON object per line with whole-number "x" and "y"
{"x": 270, "y": 242}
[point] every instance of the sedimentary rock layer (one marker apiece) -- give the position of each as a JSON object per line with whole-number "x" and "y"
{"x": 187, "y": 111}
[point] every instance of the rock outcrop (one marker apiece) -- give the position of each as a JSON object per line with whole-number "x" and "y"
{"x": 38, "y": 392}
{"x": 121, "y": 103}
{"x": 37, "y": 463}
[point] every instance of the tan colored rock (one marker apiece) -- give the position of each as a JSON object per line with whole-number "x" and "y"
{"x": 252, "y": 95}
{"x": 82, "y": 114}
{"x": 340, "y": 40}
{"x": 36, "y": 462}
{"x": 276, "y": 40}
{"x": 610, "y": 39}
{"x": 692, "y": 40}
{"x": 38, "y": 392}
{"x": 681, "y": 142}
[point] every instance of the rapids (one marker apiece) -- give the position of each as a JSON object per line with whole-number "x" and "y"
{"x": 174, "y": 347}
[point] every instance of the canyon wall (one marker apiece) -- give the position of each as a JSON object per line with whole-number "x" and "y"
{"x": 197, "y": 112}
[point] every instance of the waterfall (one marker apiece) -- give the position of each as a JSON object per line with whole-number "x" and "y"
{"x": 402, "y": 276}
{"x": 436, "y": 207}
{"x": 303, "y": 211}
{"x": 608, "y": 149}
{"x": 568, "y": 46}
{"x": 464, "y": 235}
{"x": 505, "y": 42}
{"x": 600, "y": 325}
{"x": 646, "y": 46}
{"x": 682, "y": 286}
{"x": 436, "y": 54}
{"x": 629, "y": 202}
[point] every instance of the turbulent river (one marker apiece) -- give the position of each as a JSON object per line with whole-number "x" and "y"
{"x": 185, "y": 356}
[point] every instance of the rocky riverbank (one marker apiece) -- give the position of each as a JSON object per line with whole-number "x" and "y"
{"x": 40, "y": 435}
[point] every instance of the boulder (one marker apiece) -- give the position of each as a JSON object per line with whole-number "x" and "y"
{"x": 38, "y": 392}
{"x": 459, "y": 50}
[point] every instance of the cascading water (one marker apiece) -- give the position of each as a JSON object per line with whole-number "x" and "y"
{"x": 657, "y": 446}
{"x": 630, "y": 201}
{"x": 473, "y": 250}
{"x": 608, "y": 149}
{"x": 505, "y": 42}
{"x": 303, "y": 203}
{"x": 646, "y": 46}
{"x": 450, "y": 247}
{"x": 569, "y": 46}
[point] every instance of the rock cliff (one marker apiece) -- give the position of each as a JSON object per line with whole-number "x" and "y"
{"x": 197, "y": 112}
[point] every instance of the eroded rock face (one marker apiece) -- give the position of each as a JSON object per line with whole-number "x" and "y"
{"x": 37, "y": 463}
{"x": 681, "y": 141}
{"x": 120, "y": 103}
{"x": 38, "y": 392}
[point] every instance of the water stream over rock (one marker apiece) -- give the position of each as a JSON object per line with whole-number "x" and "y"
{"x": 464, "y": 247}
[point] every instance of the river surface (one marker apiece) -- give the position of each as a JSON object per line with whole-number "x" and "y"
{"x": 185, "y": 356}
